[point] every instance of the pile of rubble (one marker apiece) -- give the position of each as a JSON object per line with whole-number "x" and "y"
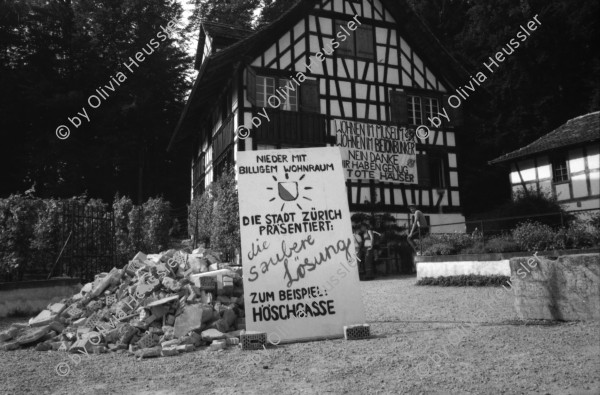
{"x": 157, "y": 305}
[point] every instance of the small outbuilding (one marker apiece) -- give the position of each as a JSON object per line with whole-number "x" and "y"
{"x": 565, "y": 162}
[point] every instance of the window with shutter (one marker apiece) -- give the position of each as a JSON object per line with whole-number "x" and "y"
{"x": 415, "y": 110}
{"x": 346, "y": 47}
{"x": 432, "y": 109}
{"x": 457, "y": 114}
{"x": 359, "y": 44}
{"x": 398, "y": 107}
{"x": 364, "y": 42}
{"x": 309, "y": 96}
{"x": 290, "y": 91}
{"x": 437, "y": 170}
{"x": 265, "y": 88}
{"x": 423, "y": 171}
{"x": 251, "y": 85}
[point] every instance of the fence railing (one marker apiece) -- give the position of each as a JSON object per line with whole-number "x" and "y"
{"x": 558, "y": 218}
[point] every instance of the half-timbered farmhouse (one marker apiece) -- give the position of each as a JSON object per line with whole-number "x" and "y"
{"x": 564, "y": 162}
{"x": 361, "y": 74}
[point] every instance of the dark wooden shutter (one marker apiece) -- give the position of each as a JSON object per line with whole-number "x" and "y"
{"x": 455, "y": 114}
{"x": 251, "y": 85}
{"x": 423, "y": 171}
{"x": 309, "y": 96}
{"x": 346, "y": 47}
{"x": 445, "y": 106}
{"x": 398, "y": 107}
{"x": 364, "y": 42}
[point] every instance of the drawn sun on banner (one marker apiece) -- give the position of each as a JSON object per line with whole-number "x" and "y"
{"x": 289, "y": 191}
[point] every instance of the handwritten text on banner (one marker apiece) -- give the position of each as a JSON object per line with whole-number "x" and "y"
{"x": 300, "y": 273}
{"x": 376, "y": 152}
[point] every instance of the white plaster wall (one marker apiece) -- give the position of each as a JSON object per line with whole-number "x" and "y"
{"x": 441, "y": 219}
{"x": 576, "y": 163}
{"x": 445, "y": 269}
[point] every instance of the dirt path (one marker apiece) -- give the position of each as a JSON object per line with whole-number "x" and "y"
{"x": 426, "y": 340}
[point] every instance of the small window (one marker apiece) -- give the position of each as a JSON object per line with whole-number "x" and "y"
{"x": 291, "y": 102}
{"x": 432, "y": 108}
{"x": 415, "y": 115}
{"x": 364, "y": 42}
{"x": 437, "y": 171}
{"x": 560, "y": 171}
{"x": 265, "y": 87}
{"x": 359, "y": 44}
{"x": 309, "y": 96}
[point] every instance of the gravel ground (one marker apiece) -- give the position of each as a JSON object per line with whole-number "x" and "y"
{"x": 430, "y": 340}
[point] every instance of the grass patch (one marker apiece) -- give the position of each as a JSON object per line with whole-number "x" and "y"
{"x": 18, "y": 313}
{"x": 471, "y": 280}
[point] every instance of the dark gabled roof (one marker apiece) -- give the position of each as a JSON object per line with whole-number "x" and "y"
{"x": 223, "y": 30}
{"x": 222, "y": 35}
{"x": 217, "y": 68}
{"x": 583, "y": 129}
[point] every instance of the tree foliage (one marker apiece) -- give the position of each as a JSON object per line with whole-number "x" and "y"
{"x": 55, "y": 54}
{"x": 200, "y": 217}
{"x": 217, "y": 214}
{"x": 549, "y": 79}
{"x": 231, "y": 12}
{"x": 33, "y": 231}
{"x": 273, "y": 9}
{"x": 225, "y": 235}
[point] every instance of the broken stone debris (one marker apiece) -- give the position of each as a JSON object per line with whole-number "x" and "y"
{"x": 157, "y": 305}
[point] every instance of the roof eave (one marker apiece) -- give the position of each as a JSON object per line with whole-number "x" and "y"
{"x": 507, "y": 158}
{"x": 174, "y": 137}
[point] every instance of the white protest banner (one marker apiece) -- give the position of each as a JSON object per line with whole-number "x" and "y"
{"x": 377, "y": 152}
{"x": 300, "y": 274}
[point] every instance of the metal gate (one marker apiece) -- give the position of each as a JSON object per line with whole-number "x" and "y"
{"x": 88, "y": 244}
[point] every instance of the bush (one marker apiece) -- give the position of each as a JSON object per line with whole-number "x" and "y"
{"x": 142, "y": 228}
{"x": 527, "y": 236}
{"x": 46, "y": 234}
{"x": 216, "y": 212}
{"x": 535, "y": 236}
{"x": 530, "y": 203}
{"x": 134, "y": 229}
{"x": 225, "y": 230}
{"x": 156, "y": 225}
{"x": 200, "y": 217}
{"x": 503, "y": 243}
{"x": 594, "y": 220}
{"x": 582, "y": 234}
{"x": 30, "y": 227}
{"x": 439, "y": 249}
{"x": 471, "y": 280}
{"x": 122, "y": 206}
{"x": 447, "y": 243}
{"x": 498, "y": 244}
{"x": 18, "y": 216}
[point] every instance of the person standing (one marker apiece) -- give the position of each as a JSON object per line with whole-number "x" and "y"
{"x": 419, "y": 227}
{"x": 369, "y": 254}
{"x": 358, "y": 246}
